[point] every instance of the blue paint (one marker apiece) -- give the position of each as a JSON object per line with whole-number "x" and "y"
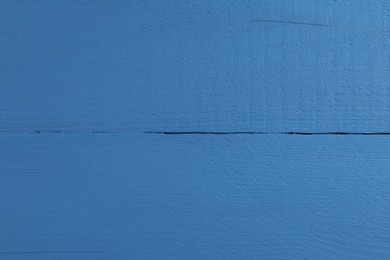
{"x": 115, "y": 196}
{"x": 182, "y": 65}
{"x": 83, "y": 84}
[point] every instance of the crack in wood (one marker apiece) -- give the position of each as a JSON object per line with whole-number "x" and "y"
{"x": 198, "y": 132}
{"x": 270, "y": 133}
{"x": 291, "y": 22}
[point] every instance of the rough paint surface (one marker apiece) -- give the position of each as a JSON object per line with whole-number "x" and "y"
{"x": 111, "y": 196}
{"x": 208, "y": 65}
{"x": 179, "y": 129}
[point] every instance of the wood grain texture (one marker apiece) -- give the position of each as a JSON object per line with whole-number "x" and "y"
{"x": 115, "y": 196}
{"x": 93, "y": 95}
{"x": 181, "y": 65}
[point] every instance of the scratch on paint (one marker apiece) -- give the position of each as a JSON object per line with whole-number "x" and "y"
{"x": 291, "y": 22}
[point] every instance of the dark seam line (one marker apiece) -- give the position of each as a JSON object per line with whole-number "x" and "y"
{"x": 291, "y": 22}
{"x": 201, "y": 132}
{"x": 270, "y": 133}
{"x": 72, "y": 132}
{"x": 46, "y": 252}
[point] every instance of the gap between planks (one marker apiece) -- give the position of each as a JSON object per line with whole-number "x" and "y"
{"x": 197, "y": 132}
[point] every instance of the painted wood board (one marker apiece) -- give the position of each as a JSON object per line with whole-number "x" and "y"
{"x": 83, "y": 83}
{"x": 139, "y": 196}
{"x": 181, "y": 65}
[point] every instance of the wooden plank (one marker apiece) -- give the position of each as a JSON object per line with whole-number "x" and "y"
{"x": 117, "y": 196}
{"x": 181, "y": 65}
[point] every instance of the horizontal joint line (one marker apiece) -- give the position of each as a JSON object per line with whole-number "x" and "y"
{"x": 268, "y": 133}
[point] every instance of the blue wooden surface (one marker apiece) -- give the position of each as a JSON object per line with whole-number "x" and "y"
{"x": 180, "y": 65}
{"x": 83, "y": 81}
{"x": 115, "y": 196}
